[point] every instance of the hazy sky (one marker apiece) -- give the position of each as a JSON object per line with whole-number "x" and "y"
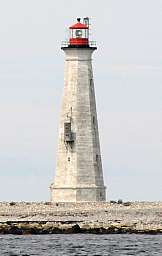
{"x": 128, "y": 82}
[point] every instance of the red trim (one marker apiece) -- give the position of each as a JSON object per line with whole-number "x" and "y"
{"x": 79, "y": 26}
{"x": 79, "y": 41}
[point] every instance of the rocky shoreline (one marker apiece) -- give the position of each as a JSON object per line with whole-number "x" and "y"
{"x": 98, "y": 218}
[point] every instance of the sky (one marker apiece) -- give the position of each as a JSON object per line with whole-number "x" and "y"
{"x": 128, "y": 83}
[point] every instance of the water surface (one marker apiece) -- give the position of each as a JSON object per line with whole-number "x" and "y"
{"x": 81, "y": 244}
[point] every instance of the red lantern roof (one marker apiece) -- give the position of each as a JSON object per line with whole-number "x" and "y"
{"x": 79, "y": 25}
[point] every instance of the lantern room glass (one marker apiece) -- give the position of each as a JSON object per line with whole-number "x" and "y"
{"x": 79, "y": 33}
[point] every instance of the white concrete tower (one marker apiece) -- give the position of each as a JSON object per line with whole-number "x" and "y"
{"x": 79, "y": 175}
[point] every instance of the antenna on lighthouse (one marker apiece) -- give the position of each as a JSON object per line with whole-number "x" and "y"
{"x": 86, "y": 21}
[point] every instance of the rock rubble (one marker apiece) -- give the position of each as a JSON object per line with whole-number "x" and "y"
{"x": 97, "y": 217}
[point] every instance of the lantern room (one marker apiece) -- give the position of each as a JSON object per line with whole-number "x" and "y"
{"x": 79, "y": 33}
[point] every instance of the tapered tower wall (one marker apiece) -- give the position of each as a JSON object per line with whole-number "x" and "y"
{"x": 79, "y": 175}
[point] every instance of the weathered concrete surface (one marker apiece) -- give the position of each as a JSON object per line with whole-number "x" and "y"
{"x": 46, "y": 218}
{"x": 79, "y": 175}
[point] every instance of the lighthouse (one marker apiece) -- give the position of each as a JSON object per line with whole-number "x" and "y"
{"x": 78, "y": 175}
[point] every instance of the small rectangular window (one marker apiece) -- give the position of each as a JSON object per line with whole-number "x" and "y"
{"x": 67, "y": 128}
{"x": 68, "y": 135}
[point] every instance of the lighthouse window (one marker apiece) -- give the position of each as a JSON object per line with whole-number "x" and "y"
{"x": 78, "y": 33}
{"x": 91, "y": 82}
{"x": 67, "y": 127}
{"x": 68, "y": 135}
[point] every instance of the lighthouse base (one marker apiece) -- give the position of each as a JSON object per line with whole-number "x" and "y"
{"x": 77, "y": 194}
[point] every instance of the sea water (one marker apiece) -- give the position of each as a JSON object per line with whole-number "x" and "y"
{"x": 81, "y": 244}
